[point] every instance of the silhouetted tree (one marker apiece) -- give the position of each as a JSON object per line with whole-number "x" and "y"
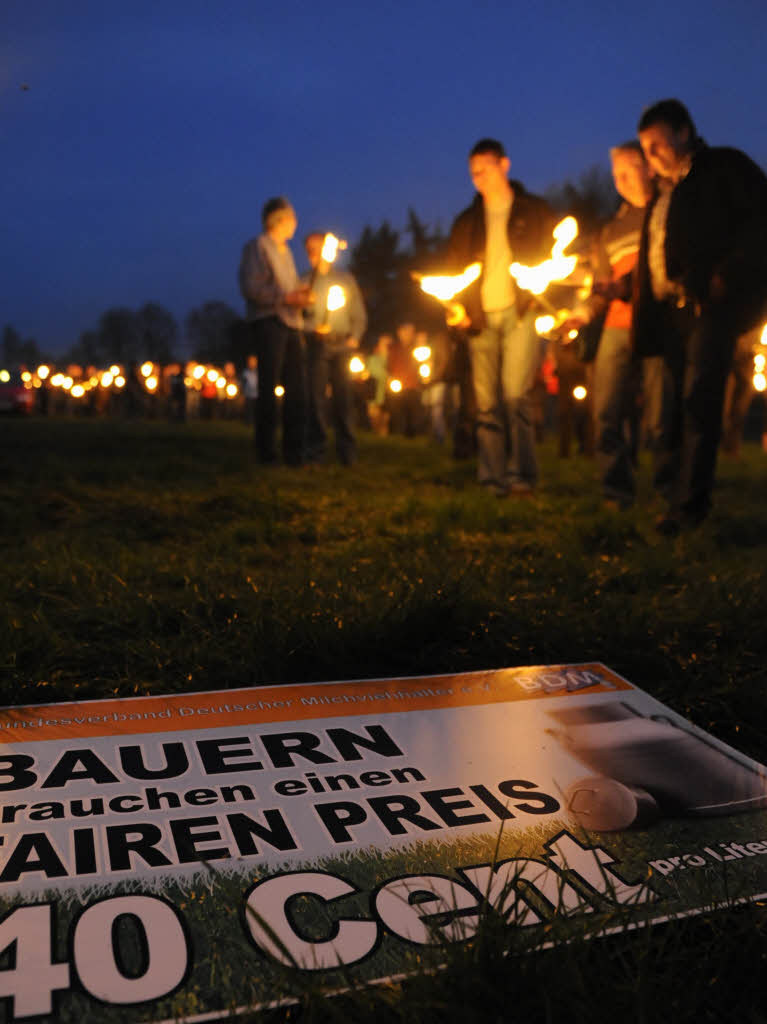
{"x": 158, "y": 333}
{"x": 383, "y": 271}
{"x": 420, "y": 240}
{"x": 17, "y": 352}
{"x": 86, "y": 351}
{"x": 375, "y": 263}
{"x": 592, "y": 199}
{"x": 11, "y": 345}
{"x": 119, "y": 337}
{"x": 210, "y": 330}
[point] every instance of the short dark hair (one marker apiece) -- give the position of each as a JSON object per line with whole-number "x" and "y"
{"x": 272, "y": 210}
{"x": 488, "y": 146}
{"x": 671, "y": 112}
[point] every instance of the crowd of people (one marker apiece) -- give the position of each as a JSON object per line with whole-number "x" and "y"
{"x": 652, "y": 343}
{"x": 679, "y": 279}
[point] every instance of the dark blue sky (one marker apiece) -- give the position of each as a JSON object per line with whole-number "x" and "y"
{"x": 136, "y": 163}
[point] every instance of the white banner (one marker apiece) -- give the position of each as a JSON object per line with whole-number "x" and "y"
{"x": 152, "y": 847}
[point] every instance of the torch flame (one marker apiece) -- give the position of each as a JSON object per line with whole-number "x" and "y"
{"x": 336, "y": 298}
{"x": 445, "y": 287}
{"x": 548, "y": 323}
{"x": 544, "y": 324}
{"x": 330, "y": 247}
{"x": 557, "y": 267}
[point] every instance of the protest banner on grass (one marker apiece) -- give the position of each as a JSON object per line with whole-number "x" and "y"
{"x": 172, "y": 857}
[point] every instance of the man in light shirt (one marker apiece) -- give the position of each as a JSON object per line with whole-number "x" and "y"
{"x": 274, "y": 300}
{"x": 334, "y": 330}
{"x": 504, "y": 223}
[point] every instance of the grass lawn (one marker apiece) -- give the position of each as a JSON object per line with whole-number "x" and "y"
{"x": 146, "y": 558}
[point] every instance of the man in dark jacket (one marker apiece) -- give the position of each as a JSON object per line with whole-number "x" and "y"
{"x": 702, "y": 281}
{"x": 503, "y": 224}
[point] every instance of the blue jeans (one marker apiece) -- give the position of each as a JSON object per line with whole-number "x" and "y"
{"x": 505, "y": 357}
{"x": 328, "y": 365}
{"x": 616, "y": 380}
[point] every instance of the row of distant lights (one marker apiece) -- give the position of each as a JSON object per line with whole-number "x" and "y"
{"x": 212, "y": 375}
{"x": 114, "y": 377}
{"x": 356, "y": 366}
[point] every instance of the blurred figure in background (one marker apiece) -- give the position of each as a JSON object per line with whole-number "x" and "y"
{"x": 377, "y": 365}
{"x": 250, "y": 388}
{"x": 335, "y": 323}
{"x": 404, "y": 383}
{"x": 739, "y": 392}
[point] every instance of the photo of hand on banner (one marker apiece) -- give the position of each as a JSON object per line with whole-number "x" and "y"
{"x": 648, "y": 767}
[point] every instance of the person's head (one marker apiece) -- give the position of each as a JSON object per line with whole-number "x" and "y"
{"x": 383, "y": 344}
{"x": 406, "y": 332}
{"x": 489, "y": 168}
{"x": 631, "y": 173}
{"x": 667, "y": 135}
{"x": 313, "y": 244}
{"x": 252, "y": 362}
{"x": 279, "y": 219}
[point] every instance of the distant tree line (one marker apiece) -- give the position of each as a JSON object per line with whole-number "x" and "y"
{"x": 382, "y": 260}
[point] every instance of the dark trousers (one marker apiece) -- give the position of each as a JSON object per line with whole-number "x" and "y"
{"x": 698, "y": 356}
{"x": 281, "y": 360}
{"x": 329, "y": 365}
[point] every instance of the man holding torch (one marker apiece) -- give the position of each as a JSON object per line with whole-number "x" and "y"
{"x": 504, "y": 223}
{"x": 335, "y": 323}
{"x": 702, "y": 281}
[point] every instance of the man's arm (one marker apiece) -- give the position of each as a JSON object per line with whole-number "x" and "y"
{"x": 258, "y": 283}
{"x": 256, "y": 277}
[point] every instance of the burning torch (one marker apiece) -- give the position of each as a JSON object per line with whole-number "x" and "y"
{"x": 336, "y": 298}
{"x": 330, "y": 248}
{"x": 445, "y": 287}
{"x": 557, "y": 267}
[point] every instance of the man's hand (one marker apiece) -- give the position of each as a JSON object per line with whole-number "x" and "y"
{"x": 574, "y": 322}
{"x": 456, "y": 316}
{"x": 300, "y": 297}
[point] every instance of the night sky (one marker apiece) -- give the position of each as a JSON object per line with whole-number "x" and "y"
{"x": 139, "y": 140}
